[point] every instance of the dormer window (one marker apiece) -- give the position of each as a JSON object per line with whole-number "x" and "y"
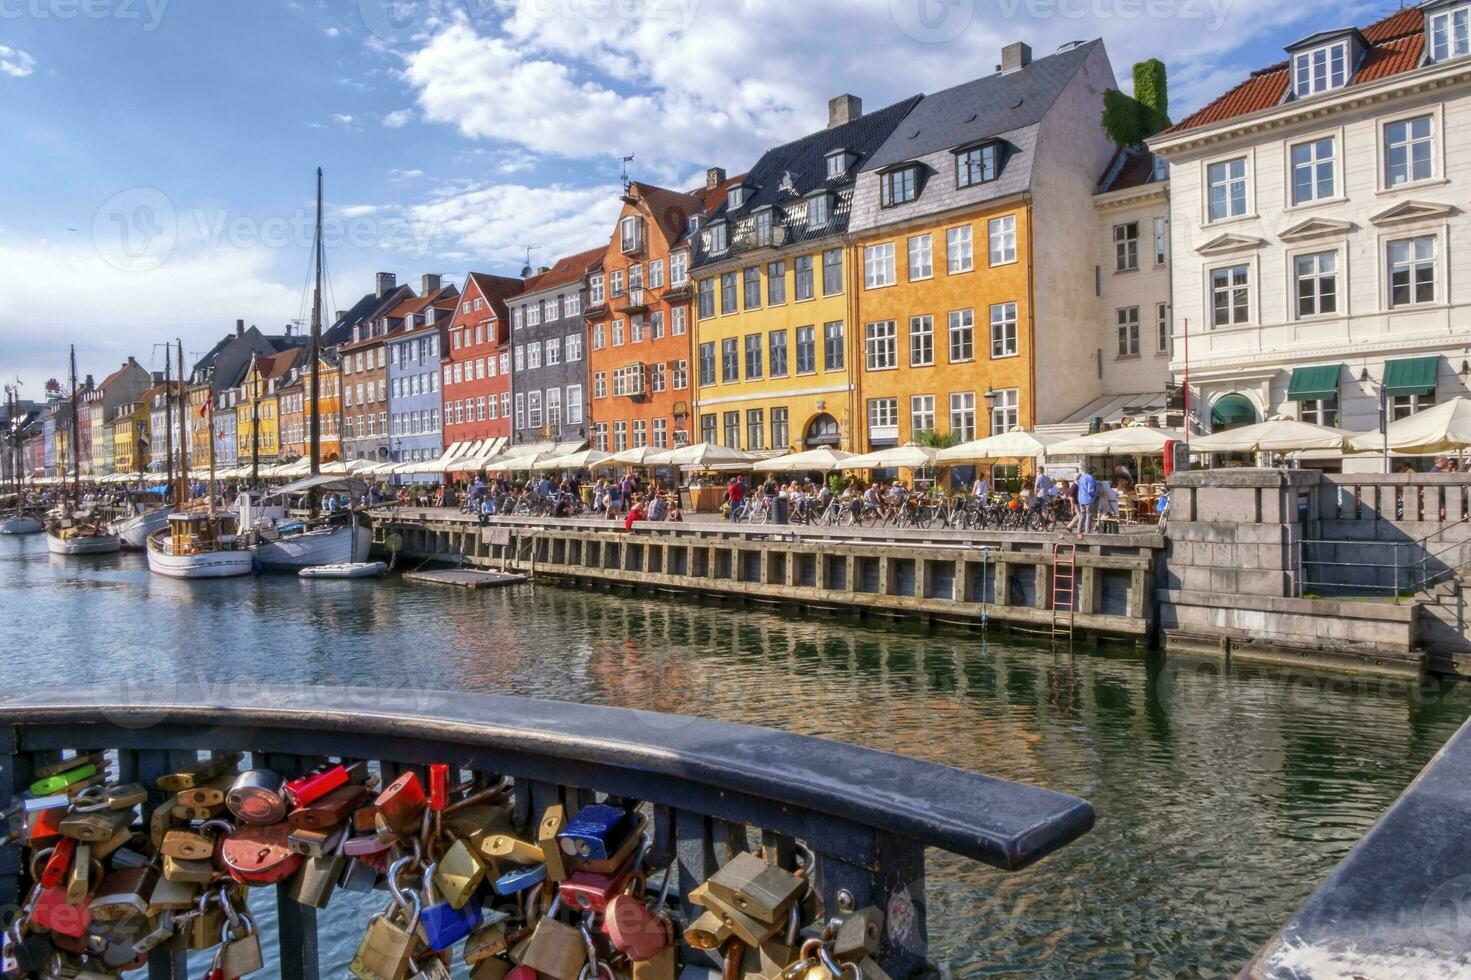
{"x": 977, "y": 164}
{"x": 899, "y": 186}
{"x": 694, "y": 223}
{"x": 715, "y": 237}
{"x": 1320, "y": 69}
{"x": 631, "y": 234}
{"x": 839, "y": 162}
{"x": 819, "y": 209}
{"x": 736, "y": 197}
{"x": 1449, "y": 33}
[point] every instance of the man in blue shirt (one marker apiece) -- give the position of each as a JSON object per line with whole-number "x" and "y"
{"x": 1087, "y": 501}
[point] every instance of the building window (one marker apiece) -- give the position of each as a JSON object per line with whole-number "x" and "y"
{"x": 1312, "y": 171}
{"x": 776, "y": 283}
{"x": 780, "y": 433}
{"x": 1126, "y": 246}
{"x": 707, "y": 298}
{"x": 1161, "y": 241}
{"x": 681, "y": 375}
{"x": 1226, "y": 189}
{"x": 554, "y": 406}
{"x": 777, "y": 344}
{"x": 921, "y": 414}
{"x": 728, "y": 295}
{"x": 533, "y": 354}
{"x": 921, "y": 341}
{"x": 658, "y": 379}
{"x": 819, "y": 210}
{"x": 921, "y": 257}
{"x": 1320, "y": 69}
{"x": 733, "y": 429}
{"x": 959, "y": 255}
{"x": 1403, "y": 406}
{"x": 1448, "y": 34}
{"x": 753, "y": 287}
{"x": 878, "y": 265}
{"x": 640, "y": 433}
{"x": 806, "y": 350}
{"x": 707, "y": 427}
{"x": 1316, "y": 278}
{"x": 600, "y": 384}
{"x": 963, "y": 415}
{"x": 620, "y": 436}
{"x": 1002, "y": 233}
{"x": 881, "y": 345}
{"x": 717, "y": 237}
{"x": 976, "y": 165}
{"x": 707, "y": 363}
{"x": 573, "y": 347}
{"x": 832, "y": 345}
{"x": 679, "y": 320}
{"x": 1408, "y": 151}
{"x": 600, "y": 436}
{"x": 1230, "y": 295}
{"x": 574, "y": 404}
{"x": 730, "y": 360}
{"x": 1005, "y": 411}
{"x": 1003, "y": 330}
{"x": 753, "y": 356}
{"x": 520, "y": 410}
{"x": 618, "y": 333}
{"x": 898, "y": 186}
{"x": 1320, "y": 411}
{"x": 1128, "y": 330}
{"x": 679, "y": 264}
{"x": 598, "y": 337}
{"x": 631, "y": 234}
{"x": 832, "y": 272}
{"x": 533, "y": 408}
{"x": 553, "y": 348}
{"x": 803, "y": 266}
{"x": 1411, "y": 270}
{"x": 661, "y": 433}
{"x": 755, "y": 429}
{"x": 1162, "y": 328}
{"x": 883, "y": 418}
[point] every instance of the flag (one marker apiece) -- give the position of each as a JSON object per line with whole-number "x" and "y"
{"x": 204, "y": 406}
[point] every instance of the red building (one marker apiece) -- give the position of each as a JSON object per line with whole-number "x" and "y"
{"x": 476, "y": 367}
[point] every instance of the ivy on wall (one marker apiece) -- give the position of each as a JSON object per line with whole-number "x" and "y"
{"x": 1131, "y": 119}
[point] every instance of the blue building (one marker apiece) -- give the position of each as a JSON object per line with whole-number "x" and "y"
{"x": 415, "y": 432}
{"x": 224, "y": 425}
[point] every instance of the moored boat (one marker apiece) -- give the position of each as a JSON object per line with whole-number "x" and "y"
{"x": 20, "y": 524}
{"x": 81, "y": 538}
{"x": 198, "y": 546}
{"x": 361, "y": 569}
{"x": 288, "y": 549}
{"x": 136, "y": 530}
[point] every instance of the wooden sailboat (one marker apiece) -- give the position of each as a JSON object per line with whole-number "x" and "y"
{"x": 19, "y": 522}
{"x": 73, "y": 532}
{"x": 197, "y": 544}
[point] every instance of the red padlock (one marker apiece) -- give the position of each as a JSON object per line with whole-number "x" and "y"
{"x": 318, "y": 783}
{"x": 522, "y": 973}
{"x": 438, "y": 787}
{"x": 589, "y": 891}
{"x": 634, "y": 929}
{"x": 52, "y": 912}
{"x": 59, "y": 863}
{"x": 259, "y": 855}
{"x": 402, "y": 803}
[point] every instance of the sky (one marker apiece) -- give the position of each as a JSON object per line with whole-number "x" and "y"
{"x": 158, "y": 180}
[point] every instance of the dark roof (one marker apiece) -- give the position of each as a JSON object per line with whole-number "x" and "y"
{"x": 496, "y": 290}
{"x": 1130, "y": 167}
{"x": 1395, "y": 44}
{"x": 986, "y": 107}
{"x": 370, "y": 307}
{"x": 568, "y": 269}
{"x": 671, "y": 209}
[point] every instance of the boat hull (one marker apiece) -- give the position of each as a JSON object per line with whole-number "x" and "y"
{"x": 371, "y": 569}
{"x": 20, "y": 525}
{"x": 99, "y": 544}
{"x": 212, "y": 564}
{"x": 134, "y": 531}
{"x": 323, "y": 546}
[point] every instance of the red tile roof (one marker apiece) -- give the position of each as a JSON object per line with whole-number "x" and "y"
{"x": 1396, "y": 43}
{"x": 568, "y": 269}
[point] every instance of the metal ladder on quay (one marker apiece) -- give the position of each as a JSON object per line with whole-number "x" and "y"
{"x": 1064, "y": 587}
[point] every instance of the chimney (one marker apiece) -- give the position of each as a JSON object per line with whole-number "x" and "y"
{"x": 158, "y": 377}
{"x": 89, "y": 383}
{"x": 843, "y": 109}
{"x": 239, "y": 328}
{"x": 340, "y": 314}
{"x": 429, "y": 284}
{"x": 543, "y": 270}
{"x": 1016, "y": 55}
{"x": 386, "y": 283}
{"x": 714, "y": 177}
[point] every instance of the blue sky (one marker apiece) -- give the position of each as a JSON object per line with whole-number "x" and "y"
{"x": 159, "y": 166}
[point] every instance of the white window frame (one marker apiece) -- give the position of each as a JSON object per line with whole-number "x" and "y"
{"x": 878, "y": 266}
{"x": 1338, "y": 286}
{"x": 1321, "y": 69}
{"x": 881, "y": 345}
{"x": 1442, "y": 27}
{"x": 1208, "y": 183}
{"x": 960, "y": 250}
{"x": 926, "y": 334}
{"x": 921, "y": 249}
{"x": 1334, "y": 160}
{"x": 921, "y": 410}
{"x": 1437, "y": 163}
{"x": 1250, "y": 286}
{"x": 960, "y": 336}
{"x": 1001, "y": 240}
{"x": 1002, "y": 317}
{"x": 1437, "y": 269}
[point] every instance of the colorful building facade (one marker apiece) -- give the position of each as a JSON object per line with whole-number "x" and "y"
{"x": 549, "y": 352}
{"x": 475, "y": 368}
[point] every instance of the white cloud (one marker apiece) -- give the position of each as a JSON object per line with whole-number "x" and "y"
{"x": 15, "y": 62}
{"x": 342, "y": 118}
{"x": 396, "y": 174}
{"x": 397, "y": 118}
{"x": 493, "y": 223}
{"x": 358, "y": 210}
{"x": 332, "y": 32}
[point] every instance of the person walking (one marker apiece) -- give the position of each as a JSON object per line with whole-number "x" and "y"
{"x": 1087, "y": 501}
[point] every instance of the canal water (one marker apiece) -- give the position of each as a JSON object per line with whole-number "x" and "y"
{"x": 1222, "y": 796}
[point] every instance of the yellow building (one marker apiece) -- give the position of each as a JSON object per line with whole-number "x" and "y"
{"x": 259, "y": 400}
{"x": 775, "y": 283}
{"x": 128, "y": 430}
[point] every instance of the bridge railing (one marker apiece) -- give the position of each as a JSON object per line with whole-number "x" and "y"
{"x": 710, "y": 788}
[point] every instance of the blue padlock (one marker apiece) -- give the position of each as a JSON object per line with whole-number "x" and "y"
{"x": 596, "y": 832}
{"x": 441, "y": 925}
{"x": 520, "y": 879}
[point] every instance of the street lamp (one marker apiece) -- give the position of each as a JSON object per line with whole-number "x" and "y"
{"x": 990, "y": 396}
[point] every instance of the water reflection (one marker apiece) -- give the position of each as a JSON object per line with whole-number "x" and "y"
{"x": 1223, "y": 795}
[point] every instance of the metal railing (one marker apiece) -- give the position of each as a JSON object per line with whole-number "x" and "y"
{"x": 708, "y": 787}
{"x": 1413, "y": 567}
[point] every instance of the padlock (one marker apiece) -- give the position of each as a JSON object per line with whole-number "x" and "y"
{"x": 206, "y": 923}
{"x": 94, "y": 757}
{"x": 708, "y": 931}
{"x": 120, "y": 837}
{"x": 54, "y": 912}
{"x": 318, "y": 783}
{"x": 476, "y": 823}
{"x": 172, "y": 896}
{"x": 99, "y": 825}
{"x": 81, "y": 880}
{"x": 552, "y": 824}
{"x": 330, "y": 810}
{"x": 620, "y": 855}
{"x": 663, "y": 965}
{"x": 868, "y": 969}
{"x": 210, "y": 793}
{"x": 188, "y": 872}
{"x": 401, "y": 805}
{"x": 62, "y": 781}
{"x": 751, "y": 885}
{"x": 257, "y": 796}
{"x": 634, "y": 929}
{"x": 441, "y": 924}
{"x": 555, "y": 948}
{"x": 505, "y": 849}
{"x": 124, "y": 895}
{"x": 749, "y": 930}
{"x": 258, "y": 855}
{"x": 318, "y": 877}
{"x": 240, "y": 950}
{"x": 365, "y": 819}
{"x": 588, "y": 892}
{"x": 198, "y": 772}
{"x": 388, "y": 945}
{"x": 359, "y": 876}
{"x": 58, "y": 862}
{"x": 163, "y": 928}
{"x": 596, "y": 832}
{"x": 494, "y": 969}
{"x": 209, "y": 811}
{"x": 121, "y": 956}
{"x": 429, "y": 968}
{"x": 43, "y": 818}
{"x": 129, "y": 857}
{"x": 162, "y": 820}
{"x": 458, "y": 874}
{"x": 197, "y": 844}
{"x": 519, "y": 879}
{"x": 858, "y": 933}
{"x": 26, "y": 955}
{"x": 769, "y": 959}
{"x": 485, "y": 942}
{"x": 315, "y": 843}
{"x": 123, "y": 797}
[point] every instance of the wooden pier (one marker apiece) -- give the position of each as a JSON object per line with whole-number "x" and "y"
{"x": 464, "y": 578}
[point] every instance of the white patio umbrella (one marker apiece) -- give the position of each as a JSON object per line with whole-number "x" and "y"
{"x": 636, "y": 456}
{"x": 1278, "y": 435}
{"x": 824, "y": 459}
{"x": 700, "y": 454}
{"x": 1016, "y": 444}
{"x": 908, "y": 456}
{"x": 1128, "y": 441}
{"x": 1442, "y": 429}
{"x": 586, "y": 459}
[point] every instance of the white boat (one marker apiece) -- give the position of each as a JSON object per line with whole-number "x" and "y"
{"x": 329, "y": 545}
{"x": 363, "y": 569}
{"x": 20, "y": 524}
{"x": 136, "y": 530}
{"x": 82, "y": 539}
{"x": 198, "y": 546}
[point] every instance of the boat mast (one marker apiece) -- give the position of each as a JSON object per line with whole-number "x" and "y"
{"x": 75, "y": 443}
{"x": 168, "y": 416}
{"x": 183, "y": 443}
{"x": 315, "y": 353}
{"x": 209, "y": 403}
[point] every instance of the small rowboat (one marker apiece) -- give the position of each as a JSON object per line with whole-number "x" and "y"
{"x": 347, "y": 569}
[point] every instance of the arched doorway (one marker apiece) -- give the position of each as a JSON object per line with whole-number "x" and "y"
{"x": 1232, "y": 412}
{"x": 822, "y": 431}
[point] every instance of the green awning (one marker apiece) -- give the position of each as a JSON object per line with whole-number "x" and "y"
{"x": 1411, "y": 375}
{"x": 1309, "y": 384}
{"x": 1232, "y": 411}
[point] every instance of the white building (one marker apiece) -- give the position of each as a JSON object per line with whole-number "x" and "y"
{"x": 1321, "y": 253}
